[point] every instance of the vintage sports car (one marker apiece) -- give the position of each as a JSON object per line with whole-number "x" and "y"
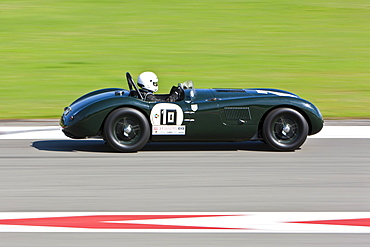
{"x": 127, "y": 122}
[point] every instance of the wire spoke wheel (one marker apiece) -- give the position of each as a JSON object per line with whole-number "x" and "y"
{"x": 285, "y": 129}
{"x": 126, "y": 130}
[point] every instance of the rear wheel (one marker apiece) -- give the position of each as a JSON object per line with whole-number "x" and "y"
{"x": 126, "y": 130}
{"x": 285, "y": 129}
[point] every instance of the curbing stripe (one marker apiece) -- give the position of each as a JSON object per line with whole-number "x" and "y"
{"x": 187, "y": 222}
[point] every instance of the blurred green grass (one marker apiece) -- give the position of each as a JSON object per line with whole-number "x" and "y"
{"x": 53, "y": 51}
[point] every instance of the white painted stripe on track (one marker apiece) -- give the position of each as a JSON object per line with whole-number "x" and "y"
{"x": 55, "y": 133}
{"x": 35, "y": 133}
{"x": 343, "y": 132}
{"x": 187, "y": 222}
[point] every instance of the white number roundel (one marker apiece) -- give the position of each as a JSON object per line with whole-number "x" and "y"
{"x": 166, "y": 114}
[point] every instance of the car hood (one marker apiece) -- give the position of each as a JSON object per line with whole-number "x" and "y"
{"x": 252, "y": 92}
{"x": 272, "y": 92}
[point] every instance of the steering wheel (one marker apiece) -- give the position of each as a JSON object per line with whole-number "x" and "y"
{"x": 131, "y": 84}
{"x": 180, "y": 91}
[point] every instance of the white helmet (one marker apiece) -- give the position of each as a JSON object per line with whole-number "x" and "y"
{"x": 148, "y": 80}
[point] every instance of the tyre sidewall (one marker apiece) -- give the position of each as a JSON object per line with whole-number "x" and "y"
{"x": 110, "y": 124}
{"x": 269, "y": 125}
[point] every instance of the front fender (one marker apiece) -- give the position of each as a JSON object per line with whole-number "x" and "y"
{"x": 307, "y": 109}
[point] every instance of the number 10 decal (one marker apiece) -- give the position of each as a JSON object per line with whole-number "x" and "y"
{"x": 168, "y": 117}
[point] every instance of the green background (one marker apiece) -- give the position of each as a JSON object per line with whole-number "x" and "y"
{"x": 52, "y": 51}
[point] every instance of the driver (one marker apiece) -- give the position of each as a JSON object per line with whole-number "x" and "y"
{"x": 148, "y": 81}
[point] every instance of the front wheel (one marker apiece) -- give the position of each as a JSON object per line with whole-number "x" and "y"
{"x": 126, "y": 130}
{"x": 285, "y": 129}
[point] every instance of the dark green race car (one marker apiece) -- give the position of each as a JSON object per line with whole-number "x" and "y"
{"x": 127, "y": 122}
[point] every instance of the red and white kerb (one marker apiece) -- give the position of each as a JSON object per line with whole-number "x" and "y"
{"x": 244, "y": 222}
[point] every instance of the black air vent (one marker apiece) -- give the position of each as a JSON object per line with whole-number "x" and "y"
{"x": 230, "y": 90}
{"x": 236, "y": 113}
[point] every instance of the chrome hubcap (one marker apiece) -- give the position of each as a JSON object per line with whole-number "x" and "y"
{"x": 286, "y": 129}
{"x": 127, "y": 130}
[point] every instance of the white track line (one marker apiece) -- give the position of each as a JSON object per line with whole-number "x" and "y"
{"x": 343, "y": 132}
{"x": 35, "y": 133}
{"x": 187, "y": 222}
{"x": 55, "y": 133}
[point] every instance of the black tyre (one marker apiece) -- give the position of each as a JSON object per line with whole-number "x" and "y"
{"x": 126, "y": 130}
{"x": 285, "y": 129}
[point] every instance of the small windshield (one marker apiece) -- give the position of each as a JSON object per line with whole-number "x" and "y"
{"x": 187, "y": 85}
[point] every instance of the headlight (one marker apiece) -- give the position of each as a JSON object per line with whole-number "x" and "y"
{"x": 67, "y": 110}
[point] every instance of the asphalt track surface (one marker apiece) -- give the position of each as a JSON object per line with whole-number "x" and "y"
{"x": 326, "y": 175}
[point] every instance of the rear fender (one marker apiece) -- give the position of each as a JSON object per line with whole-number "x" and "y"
{"x": 146, "y": 114}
